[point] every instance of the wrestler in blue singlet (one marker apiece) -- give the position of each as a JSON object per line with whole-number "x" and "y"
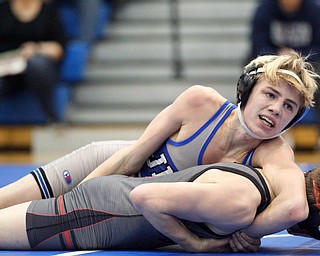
{"x": 175, "y": 156}
{"x": 63, "y": 174}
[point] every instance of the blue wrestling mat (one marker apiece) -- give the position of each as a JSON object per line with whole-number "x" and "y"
{"x": 277, "y": 244}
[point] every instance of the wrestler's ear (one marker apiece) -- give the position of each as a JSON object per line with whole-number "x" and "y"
{"x": 245, "y": 83}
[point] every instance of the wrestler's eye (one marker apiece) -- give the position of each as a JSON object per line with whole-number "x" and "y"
{"x": 288, "y": 107}
{"x": 270, "y": 95}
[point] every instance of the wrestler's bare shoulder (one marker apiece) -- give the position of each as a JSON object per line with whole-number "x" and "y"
{"x": 199, "y": 95}
{"x": 278, "y": 142}
{"x": 275, "y": 155}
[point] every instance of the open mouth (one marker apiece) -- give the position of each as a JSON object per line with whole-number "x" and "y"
{"x": 266, "y": 120}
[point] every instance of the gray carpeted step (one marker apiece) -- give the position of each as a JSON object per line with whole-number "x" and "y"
{"x": 132, "y": 74}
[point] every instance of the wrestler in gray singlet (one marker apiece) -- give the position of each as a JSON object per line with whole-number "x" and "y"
{"x": 98, "y": 214}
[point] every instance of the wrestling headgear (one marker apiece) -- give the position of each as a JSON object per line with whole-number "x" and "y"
{"x": 249, "y": 78}
{"x": 310, "y": 227}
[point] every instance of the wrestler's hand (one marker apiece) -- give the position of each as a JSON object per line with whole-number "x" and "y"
{"x": 214, "y": 245}
{"x": 241, "y": 242}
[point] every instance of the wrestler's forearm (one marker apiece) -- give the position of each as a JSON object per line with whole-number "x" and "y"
{"x": 171, "y": 227}
{"x": 119, "y": 163}
{"x": 175, "y": 230}
{"x": 279, "y": 216}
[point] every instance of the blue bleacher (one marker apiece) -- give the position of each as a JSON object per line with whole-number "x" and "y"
{"x": 310, "y": 118}
{"x": 78, "y": 52}
{"x": 24, "y": 107}
{"x": 70, "y": 19}
{"x": 75, "y": 62}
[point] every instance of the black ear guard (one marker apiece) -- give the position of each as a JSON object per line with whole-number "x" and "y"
{"x": 245, "y": 85}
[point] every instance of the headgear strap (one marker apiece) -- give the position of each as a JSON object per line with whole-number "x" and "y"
{"x": 283, "y": 71}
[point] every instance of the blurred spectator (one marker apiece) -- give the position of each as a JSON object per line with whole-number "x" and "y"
{"x": 31, "y": 31}
{"x": 87, "y": 15}
{"x": 279, "y": 25}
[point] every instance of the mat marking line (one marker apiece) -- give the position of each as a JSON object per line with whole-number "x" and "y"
{"x": 75, "y": 253}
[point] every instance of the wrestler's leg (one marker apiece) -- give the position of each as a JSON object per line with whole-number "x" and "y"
{"x": 81, "y": 219}
{"x": 97, "y": 214}
{"x": 61, "y": 175}
{"x": 23, "y": 190}
{"x": 13, "y": 233}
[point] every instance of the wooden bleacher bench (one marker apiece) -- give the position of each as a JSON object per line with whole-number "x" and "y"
{"x": 305, "y": 137}
{"x": 15, "y": 137}
{"x": 305, "y": 133}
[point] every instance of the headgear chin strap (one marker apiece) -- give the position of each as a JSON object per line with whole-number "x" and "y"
{"x": 251, "y": 133}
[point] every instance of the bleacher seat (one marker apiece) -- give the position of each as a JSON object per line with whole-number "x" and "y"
{"x": 75, "y": 62}
{"x": 71, "y": 21}
{"x": 105, "y": 15}
{"x": 24, "y": 107}
{"x": 310, "y": 118}
{"x": 77, "y": 52}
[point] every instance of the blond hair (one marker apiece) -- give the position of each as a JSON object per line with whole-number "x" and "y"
{"x": 305, "y": 83}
